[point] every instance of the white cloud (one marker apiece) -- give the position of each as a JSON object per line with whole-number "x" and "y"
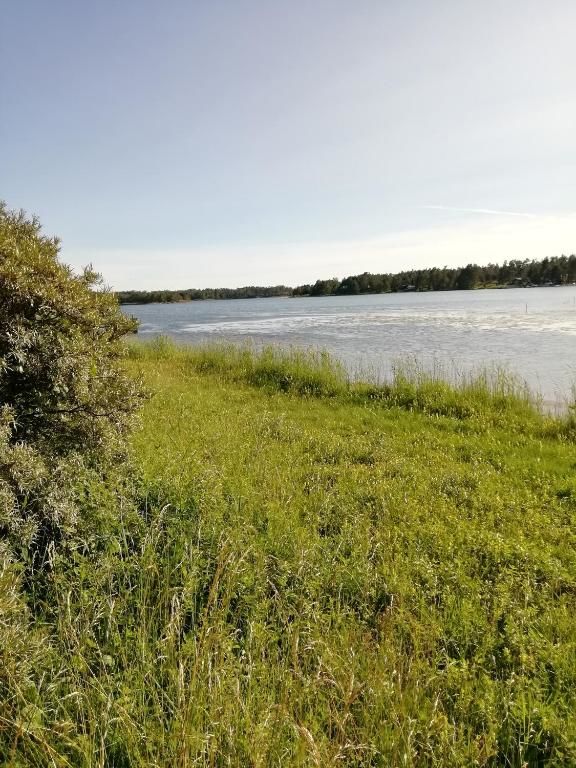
{"x": 485, "y": 211}
{"x": 491, "y": 238}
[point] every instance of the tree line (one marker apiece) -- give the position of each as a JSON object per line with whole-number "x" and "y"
{"x": 193, "y": 294}
{"x": 557, "y": 270}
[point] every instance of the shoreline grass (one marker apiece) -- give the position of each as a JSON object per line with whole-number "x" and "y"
{"x": 321, "y": 573}
{"x": 489, "y": 393}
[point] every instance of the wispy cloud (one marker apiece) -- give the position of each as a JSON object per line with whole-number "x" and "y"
{"x": 485, "y": 211}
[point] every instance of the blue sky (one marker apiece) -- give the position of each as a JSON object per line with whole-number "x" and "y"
{"x": 182, "y": 144}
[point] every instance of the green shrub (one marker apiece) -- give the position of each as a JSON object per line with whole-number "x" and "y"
{"x": 65, "y": 403}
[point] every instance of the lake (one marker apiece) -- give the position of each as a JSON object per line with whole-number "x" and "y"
{"x": 529, "y": 331}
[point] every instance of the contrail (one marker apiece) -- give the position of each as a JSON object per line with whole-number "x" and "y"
{"x": 488, "y": 211}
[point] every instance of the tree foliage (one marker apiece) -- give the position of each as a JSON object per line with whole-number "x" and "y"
{"x": 558, "y": 270}
{"x": 65, "y": 403}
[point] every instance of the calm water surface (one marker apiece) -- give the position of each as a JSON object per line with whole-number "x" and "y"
{"x": 530, "y": 331}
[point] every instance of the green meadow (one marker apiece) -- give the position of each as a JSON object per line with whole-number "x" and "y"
{"x": 320, "y": 573}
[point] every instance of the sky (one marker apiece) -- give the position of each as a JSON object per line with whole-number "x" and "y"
{"x": 237, "y": 142}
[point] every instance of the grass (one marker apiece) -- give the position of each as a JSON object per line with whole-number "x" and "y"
{"x": 323, "y": 573}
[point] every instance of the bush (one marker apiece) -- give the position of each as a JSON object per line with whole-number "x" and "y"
{"x": 65, "y": 403}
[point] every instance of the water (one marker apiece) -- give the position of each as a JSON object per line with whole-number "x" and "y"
{"x": 529, "y": 331}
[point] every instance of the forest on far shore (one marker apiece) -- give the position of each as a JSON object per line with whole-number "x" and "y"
{"x": 558, "y": 270}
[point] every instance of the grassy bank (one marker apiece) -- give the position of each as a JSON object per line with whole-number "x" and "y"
{"x": 322, "y": 573}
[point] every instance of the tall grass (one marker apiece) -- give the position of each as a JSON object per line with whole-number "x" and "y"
{"x": 306, "y": 372}
{"x": 491, "y": 394}
{"x": 322, "y": 573}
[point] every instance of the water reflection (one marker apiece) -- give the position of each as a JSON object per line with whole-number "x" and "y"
{"x": 529, "y": 331}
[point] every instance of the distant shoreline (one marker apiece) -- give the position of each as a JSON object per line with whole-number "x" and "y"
{"x": 326, "y": 295}
{"x": 517, "y": 273}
